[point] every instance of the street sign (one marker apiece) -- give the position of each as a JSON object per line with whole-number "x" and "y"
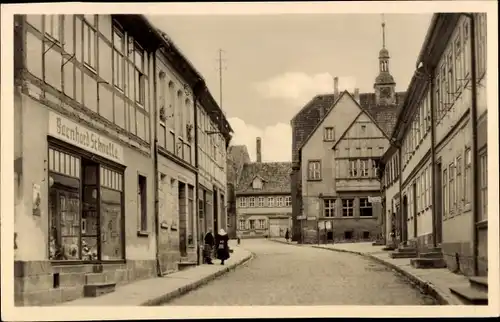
{"x": 328, "y": 225}
{"x": 301, "y": 217}
{"x": 374, "y": 199}
{"x": 311, "y": 218}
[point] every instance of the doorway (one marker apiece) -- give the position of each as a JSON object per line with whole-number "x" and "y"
{"x": 182, "y": 200}
{"x": 415, "y": 221}
{"x": 438, "y": 210}
{"x": 404, "y": 220}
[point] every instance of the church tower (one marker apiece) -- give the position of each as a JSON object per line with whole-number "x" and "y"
{"x": 385, "y": 86}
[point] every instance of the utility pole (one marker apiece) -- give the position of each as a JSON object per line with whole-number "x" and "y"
{"x": 221, "y": 68}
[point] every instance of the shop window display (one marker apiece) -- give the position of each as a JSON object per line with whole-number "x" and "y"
{"x": 85, "y": 209}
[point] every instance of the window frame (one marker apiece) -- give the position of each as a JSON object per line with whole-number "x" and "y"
{"x": 89, "y": 50}
{"x": 329, "y": 207}
{"x": 348, "y": 209}
{"x": 329, "y": 134}
{"x": 365, "y": 204}
{"x": 55, "y": 23}
{"x": 314, "y": 170}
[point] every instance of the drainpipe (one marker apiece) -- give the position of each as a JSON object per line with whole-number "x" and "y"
{"x": 196, "y": 93}
{"x": 473, "y": 120}
{"x": 435, "y": 202}
{"x": 155, "y": 166}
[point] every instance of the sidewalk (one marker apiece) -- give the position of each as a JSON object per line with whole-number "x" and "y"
{"x": 157, "y": 291}
{"x": 434, "y": 281}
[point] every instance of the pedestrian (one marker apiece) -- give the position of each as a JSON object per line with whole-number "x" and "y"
{"x": 287, "y": 235}
{"x": 222, "y": 246}
{"x": 209, "y": 246}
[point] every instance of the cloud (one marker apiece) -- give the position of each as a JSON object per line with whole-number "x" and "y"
{"x": 276, "y": 140}
{"x": 298, "y": 88}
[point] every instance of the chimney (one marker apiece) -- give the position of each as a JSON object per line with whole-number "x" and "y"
{"x": 356, "y": 95}
{"x": 336, "y": 86}
{"x": 259, "y": 150}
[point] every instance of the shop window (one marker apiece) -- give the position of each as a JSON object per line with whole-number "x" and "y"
{"x": 85, "y": 209}
{"x": 142, "y": 204}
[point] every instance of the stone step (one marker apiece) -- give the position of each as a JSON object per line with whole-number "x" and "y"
{"x": 185, "y": 265}
{"x": 428, "y": 263}
{"x": 479, "y": 283}
{"x": 470, "y": 295}
{"x": 431, "y": 255}
{"x": 386, "y": 248}
{"x": 407, "y": 250}
{"x": 99, "y": 278}
{"x": 95, "y": 290}
{"x": 403, "y": 255}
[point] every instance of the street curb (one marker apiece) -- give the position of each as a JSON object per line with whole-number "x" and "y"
{"x": 196, "y": 284}
{"x": 282, "y": 242}
{"x": 424, "y": 286}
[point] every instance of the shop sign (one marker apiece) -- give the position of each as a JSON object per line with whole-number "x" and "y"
{"x": 374, "y": 199}
{"x": 75, "y": 134}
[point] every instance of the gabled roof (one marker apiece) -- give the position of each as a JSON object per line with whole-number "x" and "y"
{"x": 327, "y": 112}
{"x": 387, "y": 117}
{"x": 307, "y": 118}
{"x": 276, "y": 176}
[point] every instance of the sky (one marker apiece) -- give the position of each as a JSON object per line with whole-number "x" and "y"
{"x": 274, "y": 64}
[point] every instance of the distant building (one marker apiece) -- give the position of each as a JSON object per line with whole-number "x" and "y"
{"x": 338, "y": 140}
{"x": 263, "y": 200}
{"x": 237, "y": 157}
{"x": 434, "y": 136}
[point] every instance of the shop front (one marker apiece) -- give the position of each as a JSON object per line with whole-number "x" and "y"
{"x": 87, "y": 225}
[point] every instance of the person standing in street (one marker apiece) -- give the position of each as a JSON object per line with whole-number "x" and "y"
{"x": 287, "y": 235}
{"x": 209, "y": 246}
{"x": 221, "y": 243}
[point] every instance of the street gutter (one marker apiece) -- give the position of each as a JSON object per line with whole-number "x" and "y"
{"x": 165, "y": 298}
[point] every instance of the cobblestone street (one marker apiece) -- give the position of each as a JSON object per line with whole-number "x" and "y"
{"x": 289, "y": 275}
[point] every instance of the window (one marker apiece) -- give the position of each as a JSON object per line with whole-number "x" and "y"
{"x": 365, "y": 208}
{"x": 427, "y": 113}
{"x": 438, "y": 95}
{"x": 140, "y": 91}
{"x": 347, "y": 207}
{"x": 445, "y": 193}
{"x": 251, "y": 202}
{"x": 241, "y": 224}
{"x": 460, "y": 197}
{"x": 429, "y": 180}
{"x": 52, "y": 26}
{"x": 314, "y": 172}
{"x": 270, "y": 201}
{"x": 280, "y": 201}
{"x": 451, "y": 77}
{"x": 417, "y": 197}
{"x": 353, "y": 169}
{"x": 329, "y": 134}
{"x": 118, "y": 61}
{"x": 481, "y": 43}
{"x": 422, "y": 190}
{"x": 261, "y": 201}
{"x": 364, "y": 168}
{"x": 243, "y": 202}
{"x": 329, "y": 208}
{"x": 89, "y": 47}
{"x": 142, "y": 203}
{"x": 366, "y": 235}
{"x": 252, "y": 223}
{"x": 467, "y": 177}
{"x": 262, "y": 224}
{"x": 458, "y": 59}
{"x": 363, "y": 129}
{"x": 444, "y": 87}
{"x": 451, "y": 188}
{"x": 375, "y": 168}
{"x": 466, "y": 48}
{"x": 483, "y": 176}
{"x": 288, "y": 201}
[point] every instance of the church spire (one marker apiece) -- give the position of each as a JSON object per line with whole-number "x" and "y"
{"x": 383, "y": 31}
{"x": 384, "y": 83}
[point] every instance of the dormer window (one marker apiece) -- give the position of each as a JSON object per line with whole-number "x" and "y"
{"x": 257, "y": 183}
{"x": 329, "y": 134}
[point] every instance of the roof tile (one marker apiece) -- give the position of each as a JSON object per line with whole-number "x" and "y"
{"x": 276, "y": 176}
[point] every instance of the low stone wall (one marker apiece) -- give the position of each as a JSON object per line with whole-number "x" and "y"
{"x": 40, "y": 283}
